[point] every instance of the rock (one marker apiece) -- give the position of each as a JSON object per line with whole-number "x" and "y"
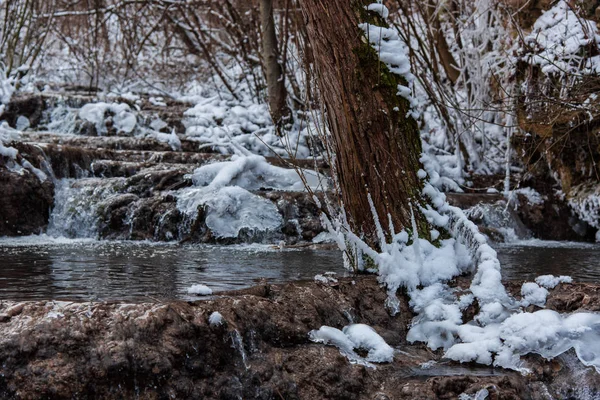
{"x": 25, "y": 202}
{"x": 169, "y": 350}
{"x": 29, "y": 106}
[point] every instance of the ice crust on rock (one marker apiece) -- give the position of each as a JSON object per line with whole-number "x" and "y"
{"x": 229, "y": 210}
{"x": 224, "y": 190}
{"x": 355, "y": 336}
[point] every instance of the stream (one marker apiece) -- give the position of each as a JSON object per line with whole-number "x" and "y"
{"x": 42, "y": 268}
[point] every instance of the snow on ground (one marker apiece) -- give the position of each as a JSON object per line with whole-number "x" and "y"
{"x": 219, "y": 120}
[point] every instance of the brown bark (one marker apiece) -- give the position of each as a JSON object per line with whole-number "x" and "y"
{"x": 441, "y": 44}
{"x": 377, "y": 145}
{"x": 273, "y": 71}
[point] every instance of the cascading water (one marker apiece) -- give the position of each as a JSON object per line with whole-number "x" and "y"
{"x": 500, "y": 221}
{"x": 77, "y": 206}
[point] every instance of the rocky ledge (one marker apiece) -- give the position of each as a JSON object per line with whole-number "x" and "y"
{"x": 66, "y": 350}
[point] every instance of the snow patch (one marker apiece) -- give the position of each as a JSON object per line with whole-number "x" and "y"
{"x": 355, "y": 336}
{"x": 551, "y": 281}
{"x": 533, "y": 294}
{"x": 200, "y": 290}
{"x": 557, "y": 40}
{"x": 215, "y": 319}
{"x": 123, "y": 119}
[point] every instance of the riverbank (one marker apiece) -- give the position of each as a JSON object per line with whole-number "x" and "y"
{"x": 260, "y": 349}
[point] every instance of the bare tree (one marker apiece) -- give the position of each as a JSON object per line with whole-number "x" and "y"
{"x": 275, "y": 76}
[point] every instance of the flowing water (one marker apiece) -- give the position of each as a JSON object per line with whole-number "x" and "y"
{"x": 45, "y": 268}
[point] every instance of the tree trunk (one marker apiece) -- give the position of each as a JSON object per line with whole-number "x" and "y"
{"x": 273, "y": 71}
{"x": 377, "y": 145}
{"x": 446, "y": 58}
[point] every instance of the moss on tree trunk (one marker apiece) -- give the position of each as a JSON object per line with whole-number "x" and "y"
{"x": 377, "y": 144}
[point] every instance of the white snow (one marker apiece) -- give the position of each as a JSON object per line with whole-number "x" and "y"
{"x": 365, "y": 337}
{"x": 551, "y": 281}
{"x": 501, "y": 331}
{"x": 7, "y": 88}
{"x": 170, "y": 138}
{"x": 7, "y": 135}
{"x": 327, "y": 278}
{"x": 533, "y": 294}
{"x": 215, "y": 319}
{"x": 545, "y": 332}
{"x": 124, "y": 120}
{"x": 379, "y": 9}
{"x": 533, "y": 197}
{"x": 355, "y": 336}
{"x": 229, "y": 209}
{"x": 223, "y": 188}
{"x": 584, "y": 200}
{"x": 557, "y": 40}
{"x": 393, "y": 52}
{"x": 219, "y": 120}
{"x": 253, "y": 172}
{"x": 200, "y": 290}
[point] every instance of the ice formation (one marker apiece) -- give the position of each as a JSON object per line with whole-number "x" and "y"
{"x": 224, "y": 189}
{"x": 355, "y": 336}
{"x": 215, "y": 319}
{"x": 200, "y": 290}
{"x": 501, "y": 331}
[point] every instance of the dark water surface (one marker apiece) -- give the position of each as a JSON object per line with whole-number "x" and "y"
{"x": 90, "y": 270}
{"x": 529, "y": 259}
{"x": 43, "y": 268}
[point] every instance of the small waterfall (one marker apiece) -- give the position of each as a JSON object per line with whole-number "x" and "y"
{"x": 238, "y": 344}
{"x": 61, "y": 119}
{"x": 499, "y": 221}
{"x": 77, "y": 207}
